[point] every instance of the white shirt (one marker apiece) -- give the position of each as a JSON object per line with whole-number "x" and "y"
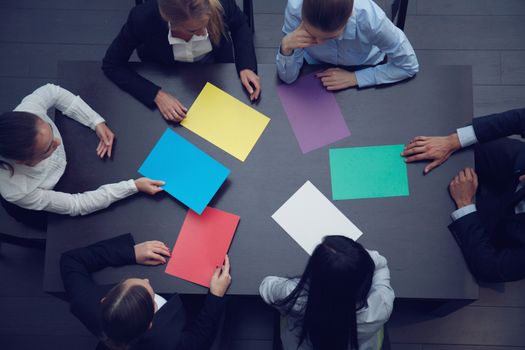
{"x": 32, "y": 187}
{"x": 467, "y": 137}
{"x": 370, "y": 319}
{"x": 190, "y": 51}
{"x": 160, "y": 301}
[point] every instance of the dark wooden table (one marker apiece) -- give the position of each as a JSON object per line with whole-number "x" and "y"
{"x": 411, "y": 232}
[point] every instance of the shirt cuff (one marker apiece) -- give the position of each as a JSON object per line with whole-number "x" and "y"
{"x": 132, "y": 187}
{"x": 467, "y": 136}
{"x": 463, "y": 211}
{"x": 365, "y": 77}
{"x": 287, "y": 59}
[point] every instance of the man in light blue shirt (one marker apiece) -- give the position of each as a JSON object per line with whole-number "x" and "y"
{"x": 490, "y": 233}
{"x": 344, "y": 33}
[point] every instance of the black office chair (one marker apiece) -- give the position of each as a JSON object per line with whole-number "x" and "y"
{"x": 399, "y": 13}
{"x": 247, "y": 7}
{"x": 15, "y": 232}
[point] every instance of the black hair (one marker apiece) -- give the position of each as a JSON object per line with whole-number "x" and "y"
{"x": 335, "y": 283}
{"x": 127, "y": 312}
{"x": 18, "y": 132}
{"x": 327, "y": 15}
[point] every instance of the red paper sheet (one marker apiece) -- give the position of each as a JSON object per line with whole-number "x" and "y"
{"x": 202, "y": 244}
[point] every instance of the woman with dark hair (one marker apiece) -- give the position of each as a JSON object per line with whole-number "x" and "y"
{"x": 33, "y": 158}
{"x": 353, "y": 34}
{"x": 130, "y": 315}
{"x": 340, "y": 302}
{"x": 171, "y": 31}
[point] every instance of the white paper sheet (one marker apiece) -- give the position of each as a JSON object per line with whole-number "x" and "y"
{"x": 308, "y": 216}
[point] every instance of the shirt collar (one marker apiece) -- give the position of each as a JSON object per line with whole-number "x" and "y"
{"x": 173, "y": 40}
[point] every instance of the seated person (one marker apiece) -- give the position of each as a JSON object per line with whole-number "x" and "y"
{"x": 130, "y": 315}
{"x": 340, "y": 302}
{"x": 33, "y": 158}
{"x": 170, "y": 31}
{"x": 354, "y": 33}
{"x": 490, "y": 233}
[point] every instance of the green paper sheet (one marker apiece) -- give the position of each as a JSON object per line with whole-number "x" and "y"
{"x": 368, "y": 172}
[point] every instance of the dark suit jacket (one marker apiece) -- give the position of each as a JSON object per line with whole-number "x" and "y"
{"x": 147, "y": 32}
{"x": 169, "y": 329}
{"x": 496, "y": 252}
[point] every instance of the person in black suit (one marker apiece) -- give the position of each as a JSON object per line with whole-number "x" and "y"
{"x": 170, "y": 31}
{"x": 130, "y": 315}
{"x": 490, "y": 233}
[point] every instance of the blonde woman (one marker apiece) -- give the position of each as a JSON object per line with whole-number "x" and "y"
{"x": 171, "y": 31}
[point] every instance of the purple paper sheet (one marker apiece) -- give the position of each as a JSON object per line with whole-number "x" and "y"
{"x": 313, "y": 113}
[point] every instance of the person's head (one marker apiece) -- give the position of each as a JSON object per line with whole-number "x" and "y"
{"x": 325, "y": 20}
{"x": 127, "y": 312}
{"x": 193, "y": 17}
{"x": 25, "y": 139}
{"x": 337, "y": 280}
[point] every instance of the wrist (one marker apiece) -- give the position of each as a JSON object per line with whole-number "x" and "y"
{"x": 453, "y": 141}
{"x": 285, "y": 49}
{"x": 460, "y": 203}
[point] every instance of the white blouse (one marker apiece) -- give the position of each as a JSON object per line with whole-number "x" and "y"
{"x": 194, "y": 50}
{"x": 370, "y": 319}
{"x": 31, "y": 187}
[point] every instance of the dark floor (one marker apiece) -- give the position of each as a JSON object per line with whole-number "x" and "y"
{"x": 489, "y": 35}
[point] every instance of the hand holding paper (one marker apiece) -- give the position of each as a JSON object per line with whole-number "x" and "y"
{"x": 221, "y": 279}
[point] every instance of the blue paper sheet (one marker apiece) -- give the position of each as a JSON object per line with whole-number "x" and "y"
{"x": 191, "y": 176}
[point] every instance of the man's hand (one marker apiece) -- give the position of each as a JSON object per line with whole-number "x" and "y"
{"x": 106, "y": 137}
{"x": 337, "y": 79}
{"x": 435, "y": 148}
{"x": 170, "y": 108}
{"x": 298, "y": 39}
{"x": 251, "y": 83}
{"x": 151, "y": 253}
{"x": 221, "y": 279}
{"x": 463, "y": 187}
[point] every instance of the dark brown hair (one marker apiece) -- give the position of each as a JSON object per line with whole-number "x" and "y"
{"x": 18, "y": 132}
{"x": 127, "y": 312}
{"x": 177, "y": 11}
{"x": 327, "y": 15}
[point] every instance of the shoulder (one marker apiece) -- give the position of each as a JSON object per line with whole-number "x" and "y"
{"x": 144, "y": 15}
{"x": 279, "y": 287}
{"x": 294, "y": 7}
{"x": 368, "y": 14}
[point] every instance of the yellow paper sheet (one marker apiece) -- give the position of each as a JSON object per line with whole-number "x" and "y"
{"x": 225, "y": 121}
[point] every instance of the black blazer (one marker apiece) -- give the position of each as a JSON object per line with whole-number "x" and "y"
{"x": 147, "y": 32}
{"x": 169, "y": 329}
{"x": 496, "y": 252}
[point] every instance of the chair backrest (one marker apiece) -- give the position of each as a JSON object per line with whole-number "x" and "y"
{"x": 396, "y": 10}
{"x": 13, "y": 231}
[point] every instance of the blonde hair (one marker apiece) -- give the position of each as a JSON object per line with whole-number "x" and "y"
{"x": 178, "y": 11}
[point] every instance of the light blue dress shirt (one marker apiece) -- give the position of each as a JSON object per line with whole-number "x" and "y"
{"x": 367, "y": 37}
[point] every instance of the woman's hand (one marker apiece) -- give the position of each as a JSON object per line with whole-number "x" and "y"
{"x": 170, "y": 108}
{"x": 298, "y": 39}
{"x": 250, "y": 80}
{"x": 337, "y": 79}
{"x": 221, "y": 279}
{"x": 106, "y": 137}
{"x": 149, "y": 186}
{"x": 151, "y": 253}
